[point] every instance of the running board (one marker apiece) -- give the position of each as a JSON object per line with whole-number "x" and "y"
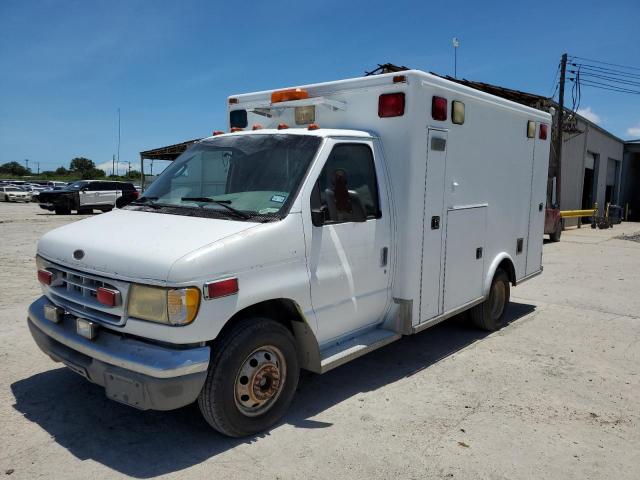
{"x": 346, "y": 351}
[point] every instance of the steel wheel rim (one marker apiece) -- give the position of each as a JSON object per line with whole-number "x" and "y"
{"x": 260, "y": 380}
{"x": 498, "y": 296}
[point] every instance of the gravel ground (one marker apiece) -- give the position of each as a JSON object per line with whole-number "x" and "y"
{"x": 555, "y": 394}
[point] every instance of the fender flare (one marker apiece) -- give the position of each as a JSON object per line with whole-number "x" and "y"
{"x": 491, "y": 271}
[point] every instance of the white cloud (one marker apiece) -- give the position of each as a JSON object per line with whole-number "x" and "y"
{"x": 122, "y": 167}
{"x": 589, "y": 114}
{"x": 634, "y": 131}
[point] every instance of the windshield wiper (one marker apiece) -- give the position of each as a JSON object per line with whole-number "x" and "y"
{"x": 147, "y": 201}
{"x": 223, "y": 203}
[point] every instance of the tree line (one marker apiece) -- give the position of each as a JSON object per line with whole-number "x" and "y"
{"x": 79, "y": 167}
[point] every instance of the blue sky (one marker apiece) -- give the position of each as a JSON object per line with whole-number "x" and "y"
{"x": 67, "y": 66}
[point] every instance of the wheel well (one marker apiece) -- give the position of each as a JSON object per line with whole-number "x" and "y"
{"x": 281, "y": 310}
{"x": 508, "y": 267}
{"x": 287, "y": 312}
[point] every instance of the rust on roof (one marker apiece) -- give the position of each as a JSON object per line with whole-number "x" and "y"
{"x": 170, "y": 152}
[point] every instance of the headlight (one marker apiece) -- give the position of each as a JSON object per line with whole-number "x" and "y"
{"x": 173, "y": 306}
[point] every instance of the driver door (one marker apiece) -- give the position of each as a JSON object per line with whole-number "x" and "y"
{"x": 349, "y": 249}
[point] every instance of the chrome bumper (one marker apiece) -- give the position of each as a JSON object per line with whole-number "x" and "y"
{"x": 140, "y": 374}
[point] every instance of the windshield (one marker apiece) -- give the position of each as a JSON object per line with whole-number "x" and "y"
{"x": 237, "y": 176}
{"x": 12, "y": 189}
{"x": 77, "y": 185}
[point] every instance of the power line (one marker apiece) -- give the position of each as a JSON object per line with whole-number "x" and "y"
{"x": 607, "y": 63}
{"x": 604, "y": 86}
{"x": 608, "y": 78}
{"x": 609, "y": 71}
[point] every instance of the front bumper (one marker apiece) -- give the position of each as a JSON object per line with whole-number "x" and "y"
{"x": 137, "y": 373}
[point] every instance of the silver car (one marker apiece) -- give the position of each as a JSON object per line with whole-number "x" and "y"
{"x": 14, "y": 194}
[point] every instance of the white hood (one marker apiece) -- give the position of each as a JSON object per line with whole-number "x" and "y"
{"x": 134, "y": 245}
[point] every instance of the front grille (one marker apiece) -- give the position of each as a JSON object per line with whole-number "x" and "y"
{"x": 76, "y": 292}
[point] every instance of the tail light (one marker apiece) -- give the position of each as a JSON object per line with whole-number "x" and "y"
{"x": 135, "y": 194}
{"x": 543, "y": 131}
{"x": 217, "y": 132}
{"x": 221, "y": 288}
{"x": 391, "y": 105}
{"x": 439, "y": 108}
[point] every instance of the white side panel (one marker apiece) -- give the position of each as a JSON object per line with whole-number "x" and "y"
{"x": 433, "y": 226}
{"x": 464, "y": 265}
{"x": 536, "y": 205}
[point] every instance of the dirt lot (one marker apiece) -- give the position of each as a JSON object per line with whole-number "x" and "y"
{"x": 555, "y": 394}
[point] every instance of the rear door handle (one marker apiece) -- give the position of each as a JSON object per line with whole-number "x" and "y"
{"x": 384, "y": 254}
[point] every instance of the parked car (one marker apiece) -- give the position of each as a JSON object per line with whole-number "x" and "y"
{"x": 84, "y": 196}
{"x": 14, "y": 194}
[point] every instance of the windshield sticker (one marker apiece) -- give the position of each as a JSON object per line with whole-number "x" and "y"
{"x": 278, "y": 198}
{"x": 264, "y": 211}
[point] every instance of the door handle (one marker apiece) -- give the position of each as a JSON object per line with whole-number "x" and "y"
{"x": 435, "y": 223}
{"x": 384, "y": 254}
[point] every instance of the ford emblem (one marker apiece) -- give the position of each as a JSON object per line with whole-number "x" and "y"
{"x": 78, "y": 254}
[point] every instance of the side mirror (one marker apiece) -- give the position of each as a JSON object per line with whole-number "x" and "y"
{"x": 318, "y": 216}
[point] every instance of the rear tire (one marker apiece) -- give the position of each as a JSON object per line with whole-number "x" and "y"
{"x": 555, "y": 236}
{"x": 62, "y": 211}
{"x": 252, "y": 378}
{"x": 490, "y": 314}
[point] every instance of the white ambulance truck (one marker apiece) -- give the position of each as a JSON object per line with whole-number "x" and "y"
{"x": 333, "y": 219}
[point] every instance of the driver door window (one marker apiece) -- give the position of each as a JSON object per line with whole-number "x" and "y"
{"x": 347, "y": 188}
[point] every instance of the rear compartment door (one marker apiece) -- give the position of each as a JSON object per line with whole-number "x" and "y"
{"x": 433, "y": 225}
{"x": 464, "y": 256}
{"x": 539, "y": 170}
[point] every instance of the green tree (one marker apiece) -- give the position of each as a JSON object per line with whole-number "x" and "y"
{"x": 14, "y": 168}
{"x": 81, "y": 165}
{"x": 61, "y": 171}
{"x": 93, "y": 173}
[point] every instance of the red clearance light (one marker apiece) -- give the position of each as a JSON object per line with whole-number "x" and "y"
{"x": 289, "y": 94}
{"x": 439, "y": 108}
{"x": 222, "y": 288}
{"x": 282, "y": 126}
{"x": 236, "y": 129}
{"x": 257, "y": 126}
{"x": 233, "y": 101}
{"x": 107, "y": 296}
{"x": 543, "y": 131}
{"x": 391, "y": 105}
{"x": 399, "y": 78}
{"x": 217, "y": 132}
{"x": 45, "y": 277}
{"x": 313, "y": 126}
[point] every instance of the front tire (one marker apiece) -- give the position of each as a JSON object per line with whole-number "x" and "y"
{"x": 252, "y": 378}
{"x": 490, "y": 314}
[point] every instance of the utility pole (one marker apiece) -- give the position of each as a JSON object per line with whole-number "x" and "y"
{"x": 38, "y": 163}
{"x": 26, "y": 161}
{"x": 118, "y": 135}
{"x": 113, "y": 165}
{"x": 559, "y": 128}
{"x": 456, "y": 44}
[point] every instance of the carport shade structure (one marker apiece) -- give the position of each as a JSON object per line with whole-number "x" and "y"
{"x": 170, "y": 152}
